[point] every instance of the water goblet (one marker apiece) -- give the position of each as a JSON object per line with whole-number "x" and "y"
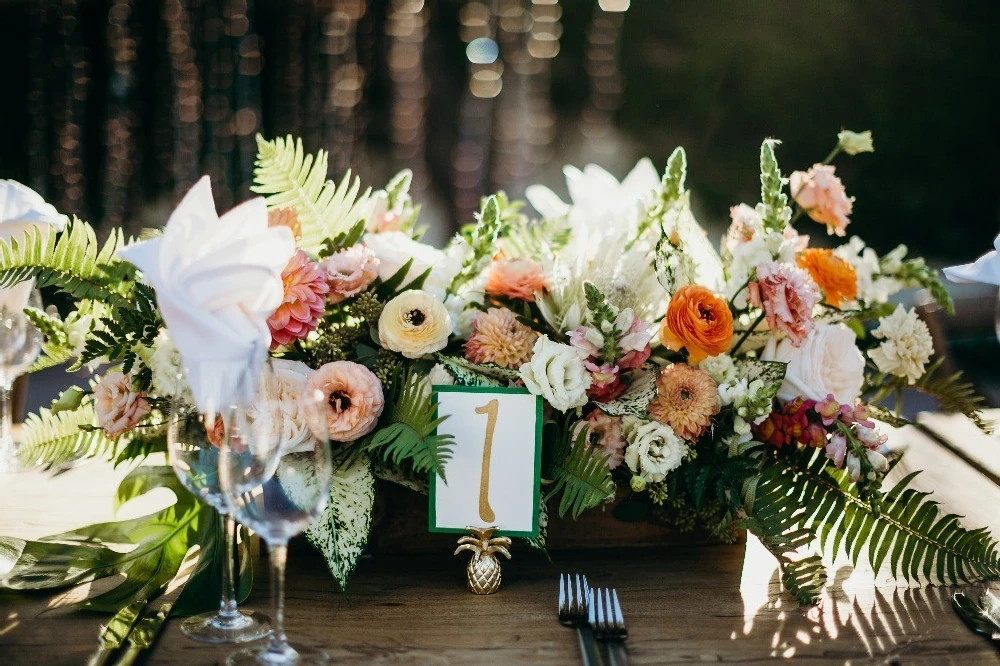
{"x": 276, "y": 472}
{"x": 194, "y": 439}
{"x": 20, "y": 343}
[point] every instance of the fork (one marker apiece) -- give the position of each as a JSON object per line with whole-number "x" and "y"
{"x": 605, "y": 616}
{"x": 574, "y": 599}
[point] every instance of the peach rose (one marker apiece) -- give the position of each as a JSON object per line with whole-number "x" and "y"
{"x": 119, "y": 407}
{"x": 353, "y": 397}
{"x": 697, "y": 320}
{"x": 349, "y": 272}
{"x": 516, "y": 278}
{"x": 822, "y": 197}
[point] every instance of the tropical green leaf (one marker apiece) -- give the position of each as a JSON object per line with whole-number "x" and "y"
{"x": 465, "y": 374}
{"x": 288, "y": 177}
{"x": 580, "y": 472}
{"x": 535, "y": 238}
{"x": 341, "y": 531}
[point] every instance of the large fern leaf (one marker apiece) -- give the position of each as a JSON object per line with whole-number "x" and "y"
{"x": 50, "y": 439}
{"x": 802, "y": 494}
{"x": 72, "y": 261}
{"x": 581, "y": 474}
{"x": 288, "y": 177}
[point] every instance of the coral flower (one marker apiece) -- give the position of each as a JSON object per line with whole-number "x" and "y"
{"x": 686, "y": 400}
{"x": 498, "y": 337}
{"x": 353, "y": 397}
{"x": 603, "y": 431}
{"x": 516, "y": 278}
{"x": 788, "y": 296}
{"x": 119, "y": 407}
{"x": 822, "y": 197}
{"x": 304, "y": 302}
{"x": 835, "y": 276}
{"x": 699, "y": 321}
{"x": 285, "y": 217}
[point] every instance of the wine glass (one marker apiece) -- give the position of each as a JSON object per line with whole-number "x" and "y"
{"x": 20, "y": 343}
{"x": 276, "y": 472}
{"x": 194, "y": 438}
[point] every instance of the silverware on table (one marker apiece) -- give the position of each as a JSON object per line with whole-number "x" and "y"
{"x": 605, "y": 616}
{"x": 979, "y": 616}
{"x": 574, "y": 594}
{"x": 113, "y": 634}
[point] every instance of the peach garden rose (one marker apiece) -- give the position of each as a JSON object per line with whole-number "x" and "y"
{"x": 119, "y": 407}
{"x": 353, "y": 399}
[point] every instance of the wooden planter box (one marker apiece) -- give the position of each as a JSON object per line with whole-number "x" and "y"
{"x": 400, "y": 526}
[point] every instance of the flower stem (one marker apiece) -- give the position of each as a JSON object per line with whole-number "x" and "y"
{"x": 746, "y": 334}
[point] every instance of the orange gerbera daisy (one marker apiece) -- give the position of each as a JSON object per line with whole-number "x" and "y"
{"x": 835, "y": 276}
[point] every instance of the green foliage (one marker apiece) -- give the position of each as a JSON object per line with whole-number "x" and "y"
{"x": 482, "y": 243}
{"x": 288, "y": 177}
{"x": 672, "y": 184}
{"x": 467, "y": 373}
{"x": 137, "y": 322}
{"x": 410, "y": 430}
{"x": 916, "y": 273}
{"x": 343, "y": 240}
{"x": 341, "y": 531}
{"x": 636, "y": 398}
{"x": 600, "y": 309}
{"x": 776, "y": 213}
{"x": 580, "y": 472}
{"x": 72, "y": 262}
{"x": 801, "y": 496}
{"x": 535, "y": 238}
{"x": 55, "y": 438}
{"x": 394, "y": 284}
{"x": 953, "y": 394}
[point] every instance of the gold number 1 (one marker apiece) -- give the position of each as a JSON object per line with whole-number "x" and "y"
{"x": 485, "y": 510}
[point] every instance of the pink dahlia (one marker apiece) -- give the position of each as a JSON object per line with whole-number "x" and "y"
{"x": 788, "y": 296}
{"x": 304, "y": 302}
{"x": 498, "y": 337}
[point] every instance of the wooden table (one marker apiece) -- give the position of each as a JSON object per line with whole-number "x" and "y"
{"x": 683, "y": 604}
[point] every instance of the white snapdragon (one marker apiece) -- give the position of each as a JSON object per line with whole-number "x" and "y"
{"x": 907, "y": 345}
{"x": 556, "y": 372}
{"x": 653, "y": 448}
{"x": 750, "y": 403}
{"x": 874, "y": 286}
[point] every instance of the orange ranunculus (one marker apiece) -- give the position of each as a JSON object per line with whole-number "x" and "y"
{"x": 699, "y": 321}
{"x": 835, "y": 277}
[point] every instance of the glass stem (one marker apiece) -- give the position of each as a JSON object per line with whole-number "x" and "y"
{"x": 279, "y": 555}
{"x": 8, "y": 452}
{"x": 228, "y": 608}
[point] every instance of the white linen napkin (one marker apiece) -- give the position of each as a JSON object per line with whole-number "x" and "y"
{"x": 21, "y": 208}
{"x": 984, "y": 269}
{"x": 217, "y": 280}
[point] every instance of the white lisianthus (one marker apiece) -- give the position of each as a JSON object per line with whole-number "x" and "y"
{"x": 828, "y": 362}
{"x": 853, "y": 143}
{"x": 437, "y": 376}
{"x": 653, "y": 448}
{"x": 395, "y": 248}
{"x": 907, "y": 345}
{"x": 164, "y": 362}
{"x": 415, "y": 323}
{"x": 276, "y": 412}
{"x": 873, "y": 285}
{"x": 720, "y": 368}
{"x": 556, "y": 372}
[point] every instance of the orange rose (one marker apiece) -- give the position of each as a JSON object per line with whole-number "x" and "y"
{"x": 699, "y": 321}
{"x": 835, "y": 277}
{"x": 516, "y": 278}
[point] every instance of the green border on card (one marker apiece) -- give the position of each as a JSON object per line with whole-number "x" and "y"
{"x": 432, "y": 509}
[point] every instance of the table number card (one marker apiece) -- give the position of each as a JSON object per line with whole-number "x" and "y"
{"x": 493, "y": 476}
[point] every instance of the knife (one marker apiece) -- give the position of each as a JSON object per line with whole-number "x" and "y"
{"x": 144, "y": 633}
{"x": 114, "y": 632}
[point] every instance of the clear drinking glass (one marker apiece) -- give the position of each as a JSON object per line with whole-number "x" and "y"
{"x": 194, "y": 440}
{"x": 276, "y": 473}
{"x": 20, "y": 343}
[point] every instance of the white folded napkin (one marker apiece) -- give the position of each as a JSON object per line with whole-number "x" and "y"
{"x": 984, "y": 269}
{"x": 21, "y": 208}
{"x": 217, "y": 280}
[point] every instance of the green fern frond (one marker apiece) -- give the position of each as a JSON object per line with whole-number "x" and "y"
{"x": 288, "y": 177}
{"x": 581, "y": 474}
{"x": 72, "y": 262}
{"x": 801, "y": 494}
{"x": 50, "y": 439}
{"x": 410, "y": 434}
{"x": 535, "y": 238}
{"x": 954, "y": 395}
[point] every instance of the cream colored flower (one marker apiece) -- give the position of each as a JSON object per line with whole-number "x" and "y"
{"x": 165, "y": 364}
{"x": 556, "y": 372}
{"x": 653, "y": 448}
{"x": 414, "y": 324}
{"x": 395, "y": 248}
{"x": 352, "y": 397}
{"x": 828, "y": 362}
{"x": 277, "y": 409}
{"x": 119, "y": 407}
{"x": 907, "y": 345}
{"x": 720, "y": 368}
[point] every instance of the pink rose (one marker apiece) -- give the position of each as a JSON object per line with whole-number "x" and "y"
{"x": 822, "y": 197}
{"x": 353, "y": 397}
{"x": 349, "y": 272}
{"x": 788, "y": 295}
{"x": 119, "y": 407}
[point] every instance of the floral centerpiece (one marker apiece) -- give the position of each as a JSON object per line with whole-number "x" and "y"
{"x": 730, "y": 389}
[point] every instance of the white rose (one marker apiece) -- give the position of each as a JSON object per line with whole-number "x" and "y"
{"x": 653, "y": 450}
{"x": 414, "y": 323}
{"x": 907, "y": 345}
{"x": 556, "y": 373}
{"x": 828, "y": 362}
{"x": 395, "y": 248}
{"x": 277, "y": 409}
